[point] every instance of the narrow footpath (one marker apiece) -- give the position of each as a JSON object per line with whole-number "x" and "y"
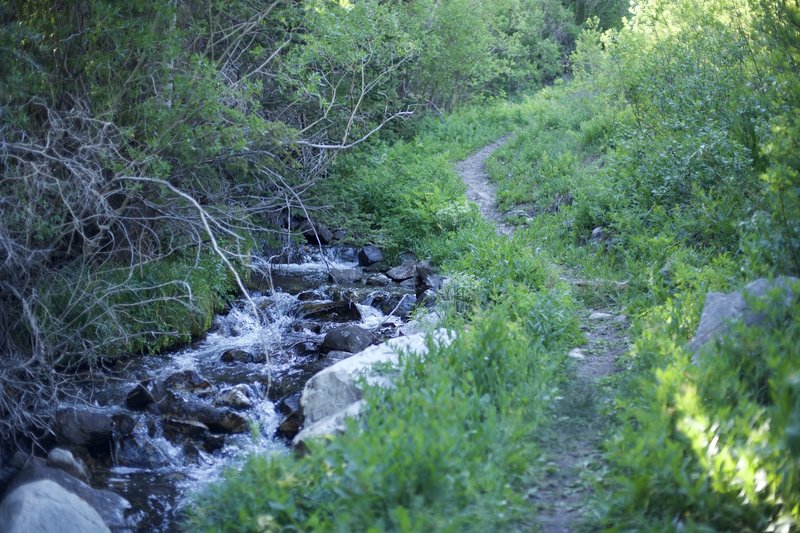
{"x": 479, "y": 190}
{"x": 571, "y": 439}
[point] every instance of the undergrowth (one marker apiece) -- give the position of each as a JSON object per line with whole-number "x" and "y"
{"x": 146, "y": 309}
{"x": 672, "y": 164}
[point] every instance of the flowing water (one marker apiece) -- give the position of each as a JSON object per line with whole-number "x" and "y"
{"x": 158, "y": 474}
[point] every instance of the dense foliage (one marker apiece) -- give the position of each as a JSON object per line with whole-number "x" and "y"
{"x": 141, "y": 139}
{"x": 676, "y": 142}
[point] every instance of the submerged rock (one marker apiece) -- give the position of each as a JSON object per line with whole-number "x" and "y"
{"x": 46, "y": 507}
{"x": 186, "y": 381}
{"x": 236, "y": 397}
{"x": 339, "y": 311}
{"x": 176, "y": 428}
{"x": 240, "y": 356}
{"x": 347, "y": 339}
{"x": 139, "y": 397}
{"x": 217, "y": 419}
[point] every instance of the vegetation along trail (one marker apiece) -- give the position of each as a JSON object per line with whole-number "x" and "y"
{"x": 571, "y": 438}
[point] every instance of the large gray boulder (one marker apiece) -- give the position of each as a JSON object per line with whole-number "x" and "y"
{"x": 111, "y": 507}
{"x": 722, "y": 310}
{"x": 46, "y": 507}
{"x": 328, "y": 397}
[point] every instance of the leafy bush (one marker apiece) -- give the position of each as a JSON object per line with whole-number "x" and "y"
{"x": 712, "y": 445}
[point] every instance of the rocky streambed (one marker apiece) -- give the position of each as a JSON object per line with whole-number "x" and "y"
{"x": 157, "y": 428}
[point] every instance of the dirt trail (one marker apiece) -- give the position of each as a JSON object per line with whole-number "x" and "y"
{"x": 571, "y": 440}
{"x": 473, "y": 173}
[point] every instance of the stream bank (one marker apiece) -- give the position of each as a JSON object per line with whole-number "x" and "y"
{"x": 156, "y": 428}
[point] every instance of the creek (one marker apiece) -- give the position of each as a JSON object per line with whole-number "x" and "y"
{"x": 156, "y": 466}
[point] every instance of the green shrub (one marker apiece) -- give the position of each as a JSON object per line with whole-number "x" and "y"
{"x": 712, "y": 446}
{"x": 125, "y": 311}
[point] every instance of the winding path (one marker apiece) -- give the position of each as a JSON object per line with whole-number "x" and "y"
{"x": 479, "y": 190}
{"x": 571, "y": 438}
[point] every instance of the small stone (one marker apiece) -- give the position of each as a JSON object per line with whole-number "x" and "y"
{"x": 378, "y": 280}
{"x": 63, "y": 459}
{"x": 403, "y": 272}
{"x": 139, "y": 397}
{"x": 213, "y": 443}
{"x": 308, "y": 296}
{"x": 290, "y": 426}
{"x": 597, "y": 315}
{"x": 235, "y": 397}
{"x": 576, "y": 353}
{"x": 599, "y": 234}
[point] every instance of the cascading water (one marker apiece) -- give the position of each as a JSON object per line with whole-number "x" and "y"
{"x": 157, "y": 472}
